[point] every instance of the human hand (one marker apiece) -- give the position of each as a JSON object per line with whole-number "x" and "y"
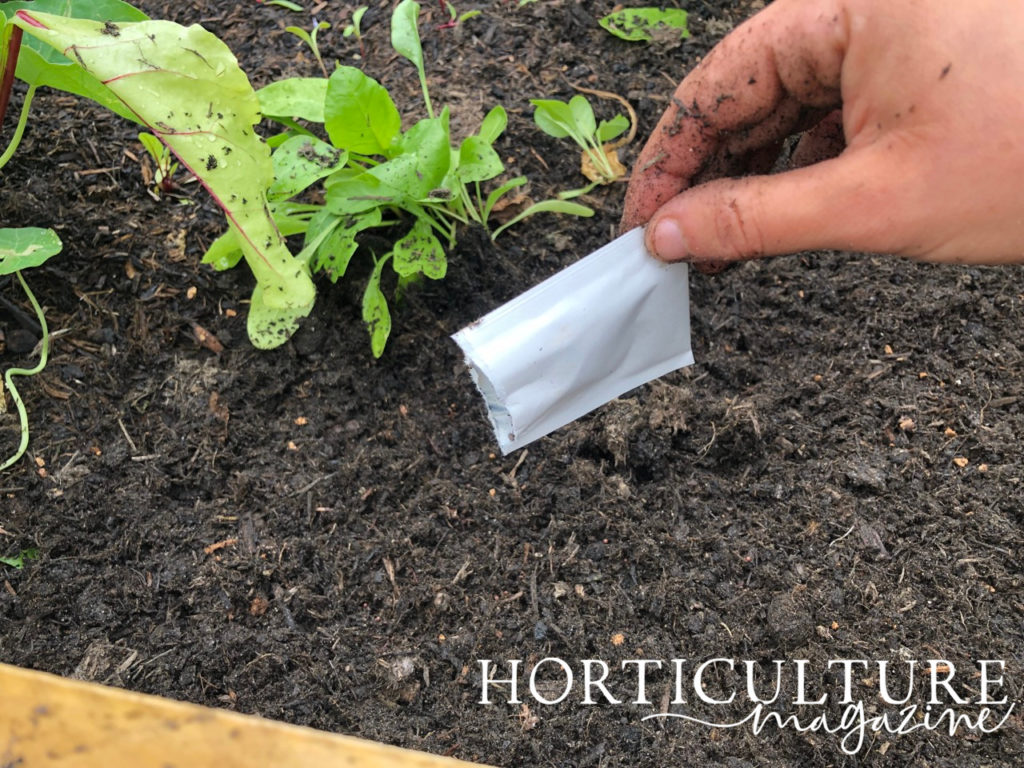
{"x": 932, "y": 115}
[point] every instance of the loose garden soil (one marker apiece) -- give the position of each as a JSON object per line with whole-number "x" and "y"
{"x": 331, "y": 540}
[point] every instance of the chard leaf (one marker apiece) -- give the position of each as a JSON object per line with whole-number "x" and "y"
{"x": 477, "y": 160}
{"x": 420, "y": 252}
{"x": 423, "y": 159}
{"x": 40, "y": 64}
{"x": 359, "y": 114}
{"x": 643, "y": 24}
{"x": 226, "y": 251}
{"x": 301, "y": 161}
{"x": 336, "y": 251}
{"x": 349, "y": 193}
{"x": 375, "y": 311}
{"x": 26, "y": 247}
{"x": 301, "y": 97}
{"x": 186, "y": 87}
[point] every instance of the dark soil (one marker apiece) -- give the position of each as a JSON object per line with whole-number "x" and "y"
{"x": 322, "y": 538}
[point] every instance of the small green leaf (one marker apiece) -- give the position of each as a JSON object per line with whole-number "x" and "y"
{"x": 583, "y": 115}
{"x": 353, "y": 191}
{"x": 18, "y": 561}
{"x": 548, "y": 206}
{"x": 357, "y": 19}
{"x": 644, "y": 24}
{"x": 359, "y": 113}
{"x": 405, "y": 34}
{"x": 152, "y": 145}
{"x": 478, "y": 161}
{"x": 302, "y": 34}
{"x": 493, "y": 124}
{"x": 301, "y": 97}
{"x": 336, "y": 251}
{"x": 500, "y": 192}
{"x": 420, "y": 252}
{"x": 225, "y": 252}
{"x": 554, "y": 118}
{"x": 423, "y": 159}
{"x": 26, "y": 247}
{"x": 375, "y": 311}
{"x": 301, "y": 161}
{"x": 610, "y": 129}
{"x": 405, "y": 39}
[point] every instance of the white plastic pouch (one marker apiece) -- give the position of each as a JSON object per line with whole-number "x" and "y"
{"x": 612, "y": 321}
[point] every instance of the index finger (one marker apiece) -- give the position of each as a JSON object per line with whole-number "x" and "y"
{"x": 747, "y": 91}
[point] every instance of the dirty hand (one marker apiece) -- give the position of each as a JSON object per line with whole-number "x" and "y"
{"x": 931, "y": 116}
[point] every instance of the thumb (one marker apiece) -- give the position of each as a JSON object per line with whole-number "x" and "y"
{"x": 842, "y": 203}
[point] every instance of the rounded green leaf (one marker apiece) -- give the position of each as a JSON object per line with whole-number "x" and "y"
{"x": 478, "y": 161}
{"x": 299, "y": 162}
{"x": 583, "y": 115}
{"x": 643, "y": 24}
{"x": 419, "y": 252}
{"x": 301, "y": 97}
{"x": 25, "y": 247}
{"x": 553, "y": 117}
{"x": 359, "y": 114}
{"x": 610, "y": 129}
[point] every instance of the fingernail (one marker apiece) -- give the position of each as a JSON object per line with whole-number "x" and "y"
{"x": 667, "y": 241}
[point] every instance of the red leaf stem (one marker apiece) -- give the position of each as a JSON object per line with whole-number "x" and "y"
{"x": 12, "y": 63}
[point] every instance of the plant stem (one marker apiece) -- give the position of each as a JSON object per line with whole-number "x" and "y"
{"x": 19, "y": 131}
{"x": 12, "y": 372}
{"x": 7, "y": 83}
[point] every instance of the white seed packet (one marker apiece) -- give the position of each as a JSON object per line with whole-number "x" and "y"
{"x": 612, "y": 321}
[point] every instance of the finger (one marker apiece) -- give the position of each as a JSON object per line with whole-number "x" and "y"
{"x": 791, "y": 51}
{"x": 823, "y": 141}
{"x": 808, "y": 208}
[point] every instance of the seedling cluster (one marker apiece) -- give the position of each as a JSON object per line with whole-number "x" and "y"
{"x": 343, "y": 131}
{"x": 375, "y": 174}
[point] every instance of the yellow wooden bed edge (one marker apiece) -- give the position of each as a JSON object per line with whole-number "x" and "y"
{"x": 51, "y": 721}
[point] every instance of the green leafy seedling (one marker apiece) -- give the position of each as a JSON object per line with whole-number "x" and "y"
{"x": 647, "y": 24}
{"x": 355, "y": 28}
{"x": 18, "y": 561}
{"x": 309, "y": 38}
{"x": 575, "y": 119}
{"x": 454, "y": 17}
{"x": 405, "y": 39}
{"x": 163, "y": 161}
